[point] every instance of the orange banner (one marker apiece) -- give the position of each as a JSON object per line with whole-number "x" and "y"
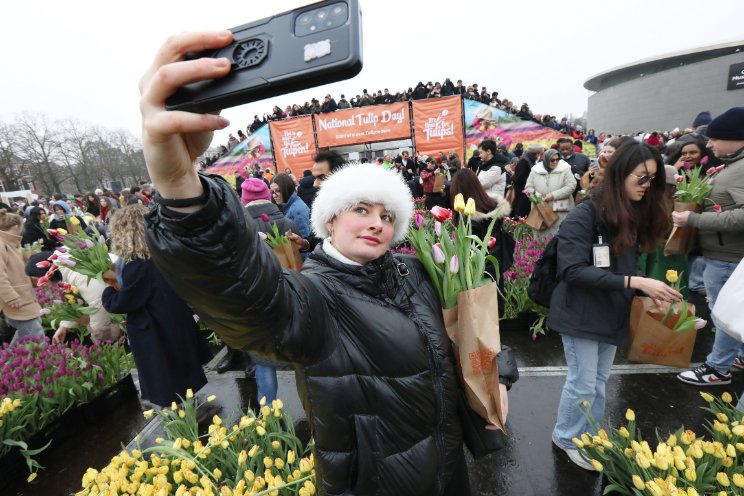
{"x": 294, "y": 144}
{"x": 437, "y": 125}
{"x": 364, "y": 125}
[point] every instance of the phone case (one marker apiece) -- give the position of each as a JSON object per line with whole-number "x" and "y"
{"x": 269, "y": 59}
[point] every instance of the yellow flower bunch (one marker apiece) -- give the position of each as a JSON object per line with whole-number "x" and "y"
{"x": 683, "y": 464}
{"x": 257, "y": 454}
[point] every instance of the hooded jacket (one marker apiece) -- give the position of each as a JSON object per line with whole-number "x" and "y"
{"x": 382, "y": 426}
{"x": 560, "y": 182}
{"x": 492, "y": 176}
{"x": 722, "y": 234}
{"x": 256, "y": 209}
{"x": 14, "y": 283}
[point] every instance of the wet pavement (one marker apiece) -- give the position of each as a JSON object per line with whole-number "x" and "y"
{"x": 529, "y": 466}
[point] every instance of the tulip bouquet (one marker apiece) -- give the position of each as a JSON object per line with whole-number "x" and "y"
{"x": 70, "y": 307}
{"x": 274, "y": 238}
{"x": 682, "y": 464}
{"x": 81, "y": 253}
{"x": 454, "y": 259}
{"x": 258, "y": 455}
{"x": 694, "y": 186}
{"x": 683, "y": 314}
{"x": 287, "y": 253}
{"x": 534, "y": 197}
{"x": 43, "y": 381}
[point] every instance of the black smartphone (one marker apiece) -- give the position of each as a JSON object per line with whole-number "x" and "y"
{"x": 305, "y": 47}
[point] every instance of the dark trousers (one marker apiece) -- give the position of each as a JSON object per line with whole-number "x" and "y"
{"x": 459, "y": 484}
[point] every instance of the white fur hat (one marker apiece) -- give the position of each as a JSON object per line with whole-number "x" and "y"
{"x": 363, "y": 182}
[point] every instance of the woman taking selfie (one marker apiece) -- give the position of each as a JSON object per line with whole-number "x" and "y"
{"x": 597, "y": 267}
{"x": 364, "y": 329}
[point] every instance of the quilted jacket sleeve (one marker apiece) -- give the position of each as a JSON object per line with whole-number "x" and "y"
{"x": 215, "y": 261}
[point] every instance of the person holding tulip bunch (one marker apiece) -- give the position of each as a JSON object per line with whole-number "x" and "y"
{"x": 721, "y": 234}
{"x": 364, "y": 328}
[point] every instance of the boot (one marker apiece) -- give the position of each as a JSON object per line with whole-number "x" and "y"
{"x": 229, "y": 362}
{"x": 250, "y": 367}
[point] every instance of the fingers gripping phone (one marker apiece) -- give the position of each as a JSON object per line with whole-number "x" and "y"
{"x": 306, "y": 47}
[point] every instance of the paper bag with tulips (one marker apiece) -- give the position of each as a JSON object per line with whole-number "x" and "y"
{"x": 285, "y": 251}
{"x": 456, "y": 262}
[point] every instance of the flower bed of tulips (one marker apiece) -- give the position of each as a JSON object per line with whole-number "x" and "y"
{"x": 43, "y": 381}
{"x": 258, "y": 455}
{"x": 682, "y": 464}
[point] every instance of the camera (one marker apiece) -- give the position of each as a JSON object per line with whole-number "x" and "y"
{"x": 309, "y": 46}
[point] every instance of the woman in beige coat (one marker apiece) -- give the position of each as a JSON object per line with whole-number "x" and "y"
{"x": 17, "y": 298}
{"x": 552, "y": 178}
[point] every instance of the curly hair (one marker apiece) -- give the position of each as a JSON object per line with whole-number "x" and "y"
{"x": 127, "y": 233}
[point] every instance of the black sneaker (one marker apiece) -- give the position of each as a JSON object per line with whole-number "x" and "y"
{"x": 704, "y": 376}
{"x": 738, "y": 363}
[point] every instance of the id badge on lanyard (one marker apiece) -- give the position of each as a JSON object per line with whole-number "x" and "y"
{"x": 601, "y": 253}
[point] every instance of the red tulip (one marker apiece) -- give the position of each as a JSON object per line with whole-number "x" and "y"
{"x": 710, "y": 171}
{"x": 42, "y": 281}
{"x": 720, "y": 168}
{"x": 53, "y": 257}
{"x": 43, "y": 264}
{"x": 441, "y": 214}
{"x": 717, "y": 208}
{"x": 265, "y": 217}
{"x": 491, "y": 242}
{"x": 53, "y": 232}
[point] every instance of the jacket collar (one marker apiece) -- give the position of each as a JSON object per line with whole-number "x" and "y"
{"x": 290, "y": 201}
{"x": 539, "y": 168}
{"x": 377, "y": 278}
{"x": 734, "y": 157}
{"x": 10, "y": 239}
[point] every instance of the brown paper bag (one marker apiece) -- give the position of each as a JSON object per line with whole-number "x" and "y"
{"x": 438, "y": 183}
{"x": 288, "y": 256}
{"x": 547, "y": 214}
{"x": 473, "y": 328}
{"x": 654, "y": 342}
{"x": 534, "y": 220}
{"x": 682, "y": 239}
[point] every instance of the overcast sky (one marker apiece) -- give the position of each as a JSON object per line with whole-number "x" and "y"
{"x": 82, "y": 59}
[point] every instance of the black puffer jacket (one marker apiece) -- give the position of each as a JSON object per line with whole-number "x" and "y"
{"x": 374, "y": 365}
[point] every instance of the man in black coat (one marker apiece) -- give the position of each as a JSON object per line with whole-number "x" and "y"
{"x": 305, "y": 190}
{"x": 329, "y": 105}
{"x": 578, "y": 161}
{"x": 448, "y": 89}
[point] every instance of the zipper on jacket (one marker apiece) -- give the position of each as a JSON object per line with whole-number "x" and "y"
{"x": 439, "y": 437}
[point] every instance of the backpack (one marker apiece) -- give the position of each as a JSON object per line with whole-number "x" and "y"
{"x": 544, "y": 278}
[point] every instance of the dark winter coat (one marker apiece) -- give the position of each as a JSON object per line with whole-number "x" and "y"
{"x": 329, "y": 106}
{"x": 375, "y": 370}
{"x": 590, "y": 302}
{"x": 167, "y": 347}
{"x": 306, "y": 191}
{"x": 579, "y": 164}
{"x": 33, "y": 233}
{"x": 521, "y": 206}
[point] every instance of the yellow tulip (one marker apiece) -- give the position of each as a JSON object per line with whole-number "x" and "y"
{"x": 189, "y": 393}
{"x": 691, "y": 491}
{"x": 62, "y": 232}
{"x": 672, "y": 440}
{"x": 638, "y": 483}
{"x": 74, "y": 221}
{"x": 723, "y": 479}
{"x": 253, "y": 451}
{"x": 459, "y": 203}
{"x": 260, "y": 431}
{"x": 31, "y": 477}
{"x": 726, "y": 397}
{"x": 276, "y": 445}
{"x": 217, "y": 473}
{"x": 738, "y": 430}
{"x": 630, "y": 415}
{"x": 654, "y": 488}
{"x": 642, "y": 461}
{"x": 672, "y": 276}
{"x": 469, "y": 208}
{"x": 268, "y": 462}
{"x": 597, "y": 465}
{"x": 738, "y": 480}
{"x": 577, "y": 442}
{"x": 174, "y": 407}
{"x": 277, "y": 404}
{"x": 148, "y": 413}
{"x": 279, "y": 463}
{"x": 707, "y": 397}
{"x": 211, "y": 398}
{"x": 290, "y": 457}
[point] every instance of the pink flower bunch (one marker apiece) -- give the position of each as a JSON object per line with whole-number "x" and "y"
{"x": 47, "y": 294}
{"x": 526, "y": 254}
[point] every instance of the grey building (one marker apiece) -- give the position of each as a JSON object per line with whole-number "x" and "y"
{"x": 665, "y": 92}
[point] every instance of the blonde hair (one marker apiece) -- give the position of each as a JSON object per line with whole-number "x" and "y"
{"x": 8, "y": 220}
{"x": 127, "y": 232}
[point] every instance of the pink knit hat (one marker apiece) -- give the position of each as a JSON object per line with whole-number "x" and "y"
{"x": 254, "y": 189}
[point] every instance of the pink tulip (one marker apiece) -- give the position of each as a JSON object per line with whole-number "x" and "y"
{"x": 454, "y": 265}
{"x": 704, "y": 160}
{"x": 717, "y": 208}
{"x": 262, "y": 235}
{"x": 265, "y": 217}
{"x": 720, "y": 168}
{"x": 491, "y": 242}
{"x": 101, "y": 239}
{"x": 419, "y": 219}
{"x": 438, "y": 228}
{"x": 89, "y": 243}
{"x": 43, "y": 264}
{"x": 679, "y": 178}
{"x": 437, "y": 254}
{"x": 700, "y": 323}
{"x": 441, "y": 214}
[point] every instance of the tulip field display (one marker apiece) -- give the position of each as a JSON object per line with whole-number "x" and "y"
{"x": 81, "y": 253}
{"x": 456, "y": 263}
{"x": 258, "y": 455}
{"x": 682, "y": 463}
{"x": 693, "y": 188}
{"x": 43, "y": 381}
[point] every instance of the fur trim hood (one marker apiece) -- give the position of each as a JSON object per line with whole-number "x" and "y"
{"x": 503, "y": 209}
{"x": 363, "y": 182}
{"x": 562, "y": 166}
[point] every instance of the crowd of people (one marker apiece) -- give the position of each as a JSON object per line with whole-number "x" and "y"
{"x": 361, "y": 326}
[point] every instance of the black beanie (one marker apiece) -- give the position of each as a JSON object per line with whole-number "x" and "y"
{"x": 728, "y": 126}
{"x": 702, "y": 119}
{"x": 33, "y": 271}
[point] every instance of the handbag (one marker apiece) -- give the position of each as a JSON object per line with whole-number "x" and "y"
{"x": 726, "y": 311}
{"x": 510, "y": 194}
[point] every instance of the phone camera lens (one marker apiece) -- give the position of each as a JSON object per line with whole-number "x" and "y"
{"x": 321, "y": 14}
{"x": 305, "y": 18}
{"x": 329, "y": 23}
{"x": 337, "y": 10}
{"x": 312, "y": 28}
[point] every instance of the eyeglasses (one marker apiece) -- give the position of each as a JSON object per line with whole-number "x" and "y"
{"x": 643, "y": 179}
{"x": 554, "y": 160}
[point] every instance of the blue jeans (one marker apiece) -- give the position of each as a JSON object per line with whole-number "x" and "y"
{"x": 589, "y": 365}
{"x": 725, "y": 348}
{"x": 266, "y": 382}
{"x": 695, "y": 273}
{"x": 25, "y": 328}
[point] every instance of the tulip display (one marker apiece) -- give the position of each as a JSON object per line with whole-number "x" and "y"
{"x": 259, "y": 454}
{"x": 685, "y": 320}
{"x": 43, "y": 381}
{"x": 682, "y": 463}
{"x": 81, "y": 253}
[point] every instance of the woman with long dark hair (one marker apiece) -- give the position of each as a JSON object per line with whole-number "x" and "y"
{"x": 92, "y": 204}
{"x": 34, "y": 231}
{"x": 598, "y": 247}
{"x": 284, "y": 194}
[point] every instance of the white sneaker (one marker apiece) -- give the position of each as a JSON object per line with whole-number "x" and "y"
{"x": 574, "y": 456}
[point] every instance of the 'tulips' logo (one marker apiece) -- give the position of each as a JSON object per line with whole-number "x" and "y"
{"x": 439, "y": 126}
{"x": 292, "y": 144}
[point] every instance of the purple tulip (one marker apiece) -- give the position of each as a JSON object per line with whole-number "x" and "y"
{"x": 704, "y": 160}
{"x": 101, "y": 239}
{"x": 88, "y": 243}
{"x": 437, "y": 253}
{"x": 454, "y": 265}
{"x": 62, "y": 249}
{"x": 418, "y": 220}
{"x": 45, "y": 311}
